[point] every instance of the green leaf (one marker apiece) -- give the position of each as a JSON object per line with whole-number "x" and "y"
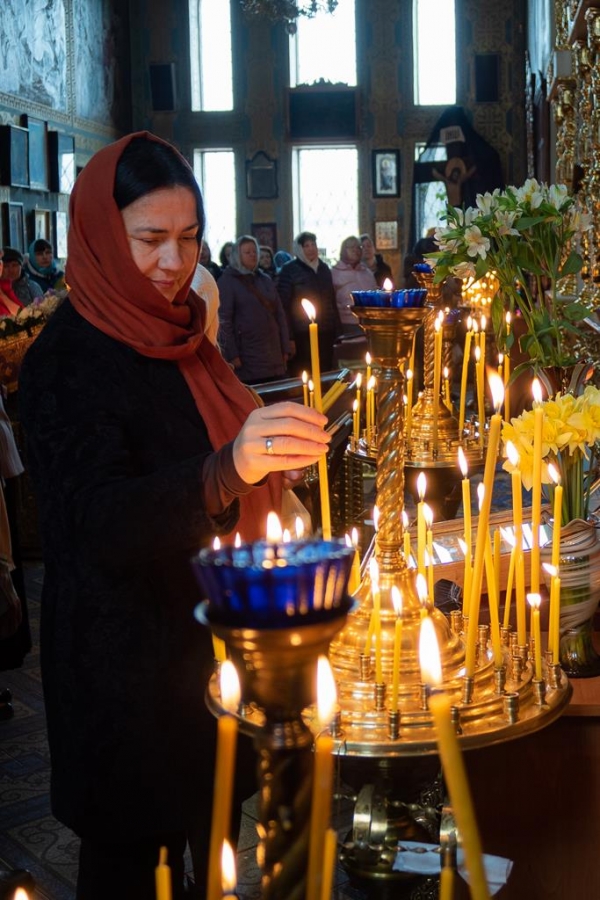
{"x": 572, "y": 265}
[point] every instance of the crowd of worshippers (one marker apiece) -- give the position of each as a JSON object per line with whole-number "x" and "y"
{"x": 254, "y": 314}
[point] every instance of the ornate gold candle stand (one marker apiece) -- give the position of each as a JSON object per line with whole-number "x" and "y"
{"x": 277, "y": 607}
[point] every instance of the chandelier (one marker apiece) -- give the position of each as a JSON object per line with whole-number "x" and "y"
{"x": 286, "y": 10}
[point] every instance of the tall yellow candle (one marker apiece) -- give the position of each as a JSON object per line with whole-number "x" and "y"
{"x": 397, "y": 602}
{"x": 484, "y": 518}
{"x": 358, "y": 403}
{"x": 376, "y": 593}
{"x": 315, "y": 363}
{"x": 463, "y": 380}
{"x": 452, "y": 762}
{"x": 446, "y": 883}
{"x": 311, "y": 394}
{"x": 447, "y": 397}
{"x": 506, "y": 388}
{"x": 536, "y": 487}
{"x": 322, "y": 786}
{"x": 497, "y": 560}
{"x": 305, "y": 388}
{"x": 534, "y": 601}
{"x": 162, "y": 876}
{"x": 409, "y": 403}
{"x": 428, "y": 513}
{"x": 493, "y": 602}
{"x": 557, "y": 511}
{"x": 555, "y": 595}
{"x": 467, "y": 577}
{"x": 368, "y": 363}
{"x": 227, "y": 730}
{"x": 479, "y": 372}
{"x": 355, "y": 422}
{"x": 466, "y": 499}
{"x": 517, "y": 505}
{"x": 354, "y": 580}
{"x": 406, "y": 536}
{"x": 509, "y": 587}
{"x": 329, "y": 859}
{"x": 553, "y": 614}
{"x": 324, "y": 495}
{"x": 421, "y": 526}
{"x": 482, "y": 338}
{"x": 437, "y": 374}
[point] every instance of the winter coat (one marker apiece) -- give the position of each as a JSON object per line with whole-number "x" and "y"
{"x": 118, "y": 451}
{"x": 252, "y": 325}
{"x": 296, "y": 281}
{"x": 26, "y": 289}
{"x": 347, "y": 278}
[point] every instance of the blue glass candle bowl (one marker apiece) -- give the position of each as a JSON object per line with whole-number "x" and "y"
{"x": 269, "y": 585}
{"x": 409, "y": 298}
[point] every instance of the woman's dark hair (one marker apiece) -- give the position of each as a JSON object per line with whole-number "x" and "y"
{"x": 305, "y": 236}
{"x": 228, "y": 245}
{"x": 147, "y": 166}
{"x": 41, "y": 244}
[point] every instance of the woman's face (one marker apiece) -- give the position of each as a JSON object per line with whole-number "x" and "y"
{"x": 162, "y": 230}
{"x": 311, "y": 251}
{"x": 248, "y": 255}
{"x": 266, "y": 260}
{"x": 43, "y": 258}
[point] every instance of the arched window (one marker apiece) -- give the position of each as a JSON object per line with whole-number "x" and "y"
{"x": 210, "y": 55}
{"x": 434, "y": 53}
{"x": 325, "y": 47}
{"x": 215, "y": 173}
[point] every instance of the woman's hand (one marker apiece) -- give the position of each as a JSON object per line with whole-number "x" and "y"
{"x": 277, "y": 438}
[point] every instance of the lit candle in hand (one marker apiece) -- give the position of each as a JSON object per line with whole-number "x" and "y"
{"x": 322, "y": 787}
{"x": 227, "y": 729}
{"x": 315, "y": 363}
{"x": 452, "y": 762}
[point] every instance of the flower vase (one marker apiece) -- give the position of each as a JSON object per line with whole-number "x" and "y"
{"x": 579, "y": 570}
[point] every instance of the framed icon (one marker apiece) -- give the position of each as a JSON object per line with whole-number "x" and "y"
{"x": 386, "y": 235}
{"x": 386, "y": 173}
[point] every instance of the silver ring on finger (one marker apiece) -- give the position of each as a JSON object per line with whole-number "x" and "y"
{"x": 269, "y": 446}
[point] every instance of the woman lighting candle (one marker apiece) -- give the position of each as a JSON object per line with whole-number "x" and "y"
{"x": 322, "y": 787}
{"x": 452, "y": 762}
{"x": 227, "y": 730}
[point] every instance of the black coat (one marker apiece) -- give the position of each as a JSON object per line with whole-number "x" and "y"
{"x": 116, "y": 448}
{"x": 296, "y": 281}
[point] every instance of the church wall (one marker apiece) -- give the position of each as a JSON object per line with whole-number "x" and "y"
{"x": 65, "y": 63}
{"x": 387, "y": 116}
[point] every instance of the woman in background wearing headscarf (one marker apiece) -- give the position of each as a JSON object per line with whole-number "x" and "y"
{"x": 143, "y": 445}
{"x": 253, "y": 333}
{"x": 307, "y": 276}
{"x": 43, "y": 268}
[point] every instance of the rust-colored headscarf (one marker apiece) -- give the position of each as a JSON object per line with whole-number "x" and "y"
{"x": 108, "y": 290}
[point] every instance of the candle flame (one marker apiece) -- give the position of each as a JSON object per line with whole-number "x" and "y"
{"x": 534, "y": 600}
{"x": 311, "y": 384}
{"x": 354, "y": 534}
{"x": 274, "y": 531}
{"x": 404, "y": 519}
{"x": 428, "y": 515}
{"x": 477, "y": 354}
{"x": 446, "y": 372}
{"x": 497, "y": 388}
{"x": 368, "y": 358}
{"x": 217, "y": 544}
{"x": 553, "y": 473}
{"x": 429, "y": 654}
{"x": 347, "y": 540}
{"x": 462, "y": 462}
{"x": 304, "y": 377}
{"x": 359, "y": 381}
{"x": 513, "y": 454}
{"x": 299, "y": 525}
{"x": 475, "y": 327}
{"x": 326, "y": 692}
{"x": 388, "y": 285}
{"x": 480, "y": 494}
{"x": 409, "y": 375}
{"x": 422, "y": 588}
{"x": 230, "y": 686}
{"x": 21, "y": 894}
{"x": 237, "y": 542}
{"x": 355, "y": 406}
{"x": 500, "y": 358}
{"x": 371, "y": 383}
{"x": 438, "y": 324}
{"x": 508, "y": 318}
{"x": 309, "y": 309}
{"x": 551, "y": 570}
{"x": 421, "y": 485}
{"x": 286, "y": 537}
{"x": 536, "y": 390}
{"x": 483, "y": 321}
{"x": 469, "y": 324}
{"x": 228, "y": 875}
{"x": 376, "y": 518}
{"x": 397, "y": 599}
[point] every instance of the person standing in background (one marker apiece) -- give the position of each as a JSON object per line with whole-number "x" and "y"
{"x": 307, "y": 276}
{"x": 350, "y": 274}
{"x": 374, "y": 261}
{"x": 24, "y": 288}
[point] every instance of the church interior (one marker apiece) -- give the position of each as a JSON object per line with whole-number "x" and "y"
{"x": 306, "y": 122}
